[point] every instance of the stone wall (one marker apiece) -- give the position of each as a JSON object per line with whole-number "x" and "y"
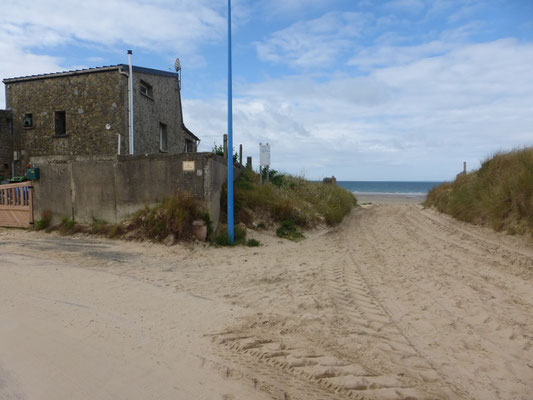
{"x": 95, "y": 103}
{"x": 90, "y": 101}
{"x": 110, "y": 188}
{"x": 6, "y": 144}
{"x": 163, "y": 107}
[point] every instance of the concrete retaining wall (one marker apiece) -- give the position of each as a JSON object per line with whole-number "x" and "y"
{"x": 112, "y": 187}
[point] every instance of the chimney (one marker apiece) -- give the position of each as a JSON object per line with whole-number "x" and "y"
{"x": 130, "y": 103}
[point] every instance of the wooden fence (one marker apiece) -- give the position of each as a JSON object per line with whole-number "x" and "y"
{"x": 16, "y": 204}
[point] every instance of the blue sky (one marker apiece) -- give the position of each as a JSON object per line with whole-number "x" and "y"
{"x": 363, "y": 90}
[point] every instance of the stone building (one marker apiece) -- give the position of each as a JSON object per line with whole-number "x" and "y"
{"x": 85, "y": 112}
{"x": 6, "y": 144}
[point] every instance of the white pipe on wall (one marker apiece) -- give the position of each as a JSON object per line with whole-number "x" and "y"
{"x": 130, "y": 103}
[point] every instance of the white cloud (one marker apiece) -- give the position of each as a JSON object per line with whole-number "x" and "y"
{"x": 315, "y": 43}
{"x": 22, "y": 63}
{"x": 388, "y": 50}
{"x": 384, "y": 56}
{"x": 162, "y": 26}
{"x": 437, "y": 110}
{"x": 158, "y": 25}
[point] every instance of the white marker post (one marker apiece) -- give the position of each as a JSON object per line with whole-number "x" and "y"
{"x": 264, "y": 160}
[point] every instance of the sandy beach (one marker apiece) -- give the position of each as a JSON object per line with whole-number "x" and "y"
{"x": 389, "y": 198}
{"x": 398, "y": 302}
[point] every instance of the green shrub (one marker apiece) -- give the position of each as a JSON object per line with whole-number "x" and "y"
{"x": 68, "y": 223}
{"x": 253, "y": 243}
{"x": 44, "y": 222}
{"x": 289, "y": 230}
{"x": 223, "y": 239}
{"x": 219, "y": 150}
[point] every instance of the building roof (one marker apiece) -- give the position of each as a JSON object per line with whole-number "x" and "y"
{"x": 122, "y": 67}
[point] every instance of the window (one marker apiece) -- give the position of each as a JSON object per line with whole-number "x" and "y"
{"x": 163, "y": 138}
{"x": 27, "y": 121}
{"x": 189, "y": 146}
{"x": 60, "y": 123}
{"x": 147, "y": 89}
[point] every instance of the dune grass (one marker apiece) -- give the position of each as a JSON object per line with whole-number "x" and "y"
{"x": 289, "y": 198}
{"x": 499, "y": 194}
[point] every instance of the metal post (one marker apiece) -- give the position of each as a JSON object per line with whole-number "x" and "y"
{"x": 240, "y": 154}
{"x": 130, "y": 103}
{"x": 231, "y": 232}
{"x": 249, "y": 163}
{"x": 464, "y": 167}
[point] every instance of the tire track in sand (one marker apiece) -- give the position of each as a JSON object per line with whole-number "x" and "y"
{"x": 452, "y": 301}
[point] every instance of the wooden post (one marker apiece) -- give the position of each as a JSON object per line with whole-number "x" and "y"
{"x": 464, "y": 167}
{"x": 249, "y": 163}
{"x": 260, "y": 176}
{"x": 267, "y": 173}
{"x": 240, "y": 154}
{"x": 225, "y": 146}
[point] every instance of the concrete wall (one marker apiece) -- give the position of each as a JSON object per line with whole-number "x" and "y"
{"x": 6, "y": 144}
{"x": 112, "y": 187}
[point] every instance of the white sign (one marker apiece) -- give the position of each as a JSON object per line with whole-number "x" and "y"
{"x": 264, "y": 155}
{"x": 188, "y": 166}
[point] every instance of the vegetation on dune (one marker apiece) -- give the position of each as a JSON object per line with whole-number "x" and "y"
{"x": 287, "y": 198}
{"x": 499, "y": 194}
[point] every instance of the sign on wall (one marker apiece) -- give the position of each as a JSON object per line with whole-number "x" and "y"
{"x": 264, "y": 155}
{"x": 188, "y": 166}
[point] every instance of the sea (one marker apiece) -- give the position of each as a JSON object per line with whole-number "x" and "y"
{"x": 407, "y": 188}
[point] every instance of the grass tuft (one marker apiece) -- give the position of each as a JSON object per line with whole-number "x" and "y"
{"x": 44, "y": 222}
{"x": 289, "y": 230}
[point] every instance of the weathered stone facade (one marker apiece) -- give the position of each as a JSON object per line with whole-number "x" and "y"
{"x": 6, "y": 144}
{"x": 93, "y": 107}
{"x": 162, "y": 107}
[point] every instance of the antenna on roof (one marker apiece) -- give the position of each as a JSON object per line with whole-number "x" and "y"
{"x": 177, "y": 66}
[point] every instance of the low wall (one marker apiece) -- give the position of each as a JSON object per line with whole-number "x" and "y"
{"x": 112, "y": 187}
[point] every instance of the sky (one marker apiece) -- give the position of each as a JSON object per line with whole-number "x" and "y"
{"x": 362, "y": 90}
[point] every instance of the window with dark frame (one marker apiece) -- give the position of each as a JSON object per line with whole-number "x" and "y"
{"x": 27, "y": 120}
{"x": 189, "y": 146}
{"x": 146, "y": 89}
{"x": 163, "y": 138}
{"x": 60, "y": 123}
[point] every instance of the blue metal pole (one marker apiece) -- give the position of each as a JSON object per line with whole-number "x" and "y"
{"x": 231, "y": 231}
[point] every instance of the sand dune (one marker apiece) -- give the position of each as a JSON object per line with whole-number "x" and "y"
{"x": 398, "y": 302}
